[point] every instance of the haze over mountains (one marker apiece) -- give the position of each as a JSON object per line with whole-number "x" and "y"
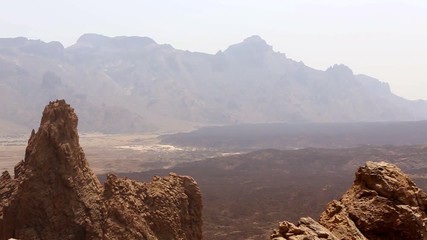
{"x": 128, "y": 84}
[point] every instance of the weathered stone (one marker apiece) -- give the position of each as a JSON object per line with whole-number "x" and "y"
{"x": 55, "y": 195}
{"x": 168, "y": 208}
{"x": 307, "y": 228}
{"x": 383, "y": 203}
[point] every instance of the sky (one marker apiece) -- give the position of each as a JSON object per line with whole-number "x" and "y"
{"x": 385, "y": 39}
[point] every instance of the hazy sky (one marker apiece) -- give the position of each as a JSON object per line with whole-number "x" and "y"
{"x": 386, "y": 39}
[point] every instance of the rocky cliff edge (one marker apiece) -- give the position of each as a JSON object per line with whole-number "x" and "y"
{"x": 55, "y": 195}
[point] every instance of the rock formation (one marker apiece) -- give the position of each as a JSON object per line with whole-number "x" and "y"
{"x": 55, "y": 195}
{"x": 383, "y": 203}
{"x": 307, "y": 229}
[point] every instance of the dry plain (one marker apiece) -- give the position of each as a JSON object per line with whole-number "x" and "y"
{"x": 108, "y": 153}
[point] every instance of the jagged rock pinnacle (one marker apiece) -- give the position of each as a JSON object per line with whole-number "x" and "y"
{"x": 61, "y": 115}
{"x": 57, "y": 133}
{"x": 55, "y": 182}
{"x": 55, "y": 195}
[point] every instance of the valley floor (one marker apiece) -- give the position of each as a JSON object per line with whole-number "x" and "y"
{"x": 244, "y": 194}
{"x": 115, "y": 152}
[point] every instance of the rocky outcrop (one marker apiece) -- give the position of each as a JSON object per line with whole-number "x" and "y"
{"x": 55, "y": 195}
{"x": 166, "y": 208}
{"x": 383, "y": 203}
{"x": 56, "y": 187}
{"x": 307, "y": 229}
{"x": 7, "y": 189}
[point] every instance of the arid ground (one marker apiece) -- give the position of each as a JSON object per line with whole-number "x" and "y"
{"x": 115, "y": 153}
{"x": 244, "y": 194}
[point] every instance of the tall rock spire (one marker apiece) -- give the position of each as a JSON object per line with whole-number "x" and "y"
{"x": 55, "y": 195}
{"x": 57, "y": 188}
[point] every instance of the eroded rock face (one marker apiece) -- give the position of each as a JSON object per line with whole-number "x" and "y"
{"x": 56, "y": 187}
{"x": 55, "y": 195}
{"x": 7, "y": 189}
{"x": 307, "y": 228}
{"x": 160, "y": 215}
{"x": 383, "y": 203}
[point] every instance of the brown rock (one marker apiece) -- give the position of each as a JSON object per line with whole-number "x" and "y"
{"x": 7, "y": 189}
{"x": 168, "y": 208}
{"x": 383, "y": 203}
{"x": 307, "y": 228}
{"x": 337, "y": 220}
{"x": 55, "y": 195}
{"x": 56, "y": 187}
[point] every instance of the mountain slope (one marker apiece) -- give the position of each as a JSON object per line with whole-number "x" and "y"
{"x": 113, "y": 82}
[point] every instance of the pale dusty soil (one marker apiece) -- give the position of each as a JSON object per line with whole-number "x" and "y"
{"x": 114, "y": 153}
{"x": 12, "y": 150}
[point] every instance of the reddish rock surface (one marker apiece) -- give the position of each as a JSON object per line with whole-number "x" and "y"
{"x": 383, "y": 203}
{"x": 55, "y": 195}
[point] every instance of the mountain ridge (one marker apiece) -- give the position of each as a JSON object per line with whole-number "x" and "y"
{"x": 155, "y": 87}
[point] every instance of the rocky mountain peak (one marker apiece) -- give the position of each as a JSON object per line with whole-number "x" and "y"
{"x": 255, "y": 39}
{"x": 30, "y": 47}
{"x": 106, "y": 77}
{"x": 340, "y": 71}
{"x": 383, "y": 203}
{"x": 13, "y": 42}
{"x": 253, "y": 47}
{"x": 55, "y": 195}
{"x": 93, "y": 40}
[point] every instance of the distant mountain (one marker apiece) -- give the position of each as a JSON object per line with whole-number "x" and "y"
{"x": 133, "y": 84}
